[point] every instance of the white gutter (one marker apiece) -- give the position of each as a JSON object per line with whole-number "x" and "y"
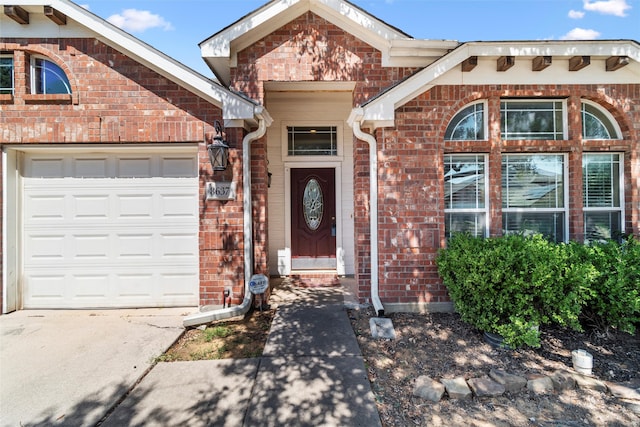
{"x": 240, "y": 310}
{"x": 354, "y": 120}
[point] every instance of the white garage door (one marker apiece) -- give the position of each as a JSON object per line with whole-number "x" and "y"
{"x": 110, "y": 230}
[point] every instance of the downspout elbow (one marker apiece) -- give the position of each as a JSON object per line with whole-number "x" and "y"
{"x": 355, "y": 122}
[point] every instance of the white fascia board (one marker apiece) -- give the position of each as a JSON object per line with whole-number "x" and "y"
{"x": 271, "y": 17}
{"x": 147, "y": 55}
{"x": 382, "y": 109}
{"x": 257, "y": 25}
{"x": 357, "y": 22}
{"x": 416, "y": 52}
{"x": 558, "y": 48}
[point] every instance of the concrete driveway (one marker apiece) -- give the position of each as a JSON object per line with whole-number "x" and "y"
{"x": 71, "y": 367}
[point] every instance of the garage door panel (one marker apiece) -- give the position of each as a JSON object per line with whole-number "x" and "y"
{"x": 139, "y": 206}
{"x": 178, "y": 246}
{"x": 46, "y": 167}
{"x": 135, "y": 167}
{"x": 91, "y": 167}
{"x": 138, "y": 246}
{"x": 109, "y": 240}
{"x": 90, "y": 246}
{"x": 177, "y": 206}
{"x": 95, "y": 206}
{"x": 45, "y": 247}
{"x": 177, "y": 167}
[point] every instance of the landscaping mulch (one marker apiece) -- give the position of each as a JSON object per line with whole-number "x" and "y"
{"x": 441, "y": 346}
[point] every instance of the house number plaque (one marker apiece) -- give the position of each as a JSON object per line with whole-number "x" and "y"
{"x": 221, "y": 190}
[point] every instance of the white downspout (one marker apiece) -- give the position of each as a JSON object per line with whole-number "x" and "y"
{"x": 243, "y": 308}
{"x": 355, "y": 120}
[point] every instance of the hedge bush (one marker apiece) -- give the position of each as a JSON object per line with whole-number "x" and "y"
{"x": 511, "y": 285}
{"x": 615, "y": 292}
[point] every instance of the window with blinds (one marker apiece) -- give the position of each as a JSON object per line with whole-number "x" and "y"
{"x": 466, "y": 206}
{"x": 602, "y": 196}
{"x": 534, "y": 195}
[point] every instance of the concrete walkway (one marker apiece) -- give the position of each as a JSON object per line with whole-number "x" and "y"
{"x": 310, "y": 374}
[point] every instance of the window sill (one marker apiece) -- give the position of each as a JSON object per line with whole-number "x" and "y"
{"x": 6, "y": 98}
{"x": 47, "y": 98}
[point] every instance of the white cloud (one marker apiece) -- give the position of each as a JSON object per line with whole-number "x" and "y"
{"x": 137, "y": 21}
{"x": 581, "y": 34}
{"x": 85, "y": 6}
{"x": 576, "y": 14}
{"x": 607, "y": 7}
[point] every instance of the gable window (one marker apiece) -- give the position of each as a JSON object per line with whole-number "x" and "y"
{"x": 468, "y": 124}
{"x": 6, "y": 75}
{"x": 466, "y": 206}
{"x": 532, "y": 119}
{"x": 602, "y": 196}
{"x": 48, "y": 78}
{"x": 534, "y": 195}
{"x": 312, "y": 141}
{"x": 598, "y": 123}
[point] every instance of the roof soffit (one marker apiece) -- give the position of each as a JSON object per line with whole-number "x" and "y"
{"x": 380, "y": 111}
{"x": 234, "y": 106}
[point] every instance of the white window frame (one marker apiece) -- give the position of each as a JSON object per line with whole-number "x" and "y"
{"x": 621, "y": 201}
{"x": 13, "y": 78}
{"x": 485, "y": 122}
{"x": 565, "y": 191}
{"x": 33, "y": 75}
{"x": 565, "y": 124}
{"x": 339, "y": 141}
{"x": 604, "y": 112}
{"x": 485, "y": 209}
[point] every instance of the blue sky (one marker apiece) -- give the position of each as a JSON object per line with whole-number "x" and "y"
{"x": 176, "y": 27}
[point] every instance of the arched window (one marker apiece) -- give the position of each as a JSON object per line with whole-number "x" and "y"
{"x": 48, "y": 78}
{"x": 468, "y": 124}
{"x": 597, "y": 123}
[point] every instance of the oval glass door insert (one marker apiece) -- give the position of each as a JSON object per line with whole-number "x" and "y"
{"x": 313, "y": 204}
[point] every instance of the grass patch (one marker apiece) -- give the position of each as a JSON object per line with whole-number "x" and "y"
{"x": 231, "y": 339}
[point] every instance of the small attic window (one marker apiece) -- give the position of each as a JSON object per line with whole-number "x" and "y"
{"x": 48, "y": 78}
{"x": 468, "y": 124}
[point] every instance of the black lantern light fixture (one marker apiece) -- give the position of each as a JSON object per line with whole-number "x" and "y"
{"x": 218, "y": 150}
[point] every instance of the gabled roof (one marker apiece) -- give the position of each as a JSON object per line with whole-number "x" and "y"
{"x": 398, "y": 48}
{"x": 487, "y": 66}
{"x": 83, "y": 23}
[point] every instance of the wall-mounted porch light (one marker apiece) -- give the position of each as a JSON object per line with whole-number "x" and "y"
{"x": 218, "y": 150}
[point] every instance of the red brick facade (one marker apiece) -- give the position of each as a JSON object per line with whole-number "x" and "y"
{"x": 411, "y": 194}
{"x": 116, "y": 100}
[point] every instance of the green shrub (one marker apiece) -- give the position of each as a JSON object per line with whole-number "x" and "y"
{"x": 513, "y": 284}
{"x": 615, "y": 293}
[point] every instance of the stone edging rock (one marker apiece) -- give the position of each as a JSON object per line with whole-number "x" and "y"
{"x": 498, "y": 382}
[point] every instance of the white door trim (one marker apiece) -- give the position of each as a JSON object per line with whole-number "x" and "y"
{"x": 340, "y": 265}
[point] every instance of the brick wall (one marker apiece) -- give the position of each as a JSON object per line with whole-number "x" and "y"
{"x": 411, "y": 205}
{"x": 310, "y": 48}
{"x": 411, "y": 174}
{"x": 118, "y": 101}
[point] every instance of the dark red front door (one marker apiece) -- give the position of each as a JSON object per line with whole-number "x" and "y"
{"x": 313, "y": 216}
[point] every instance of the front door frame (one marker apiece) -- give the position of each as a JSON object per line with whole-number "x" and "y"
{"x": 340, "y": 267}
